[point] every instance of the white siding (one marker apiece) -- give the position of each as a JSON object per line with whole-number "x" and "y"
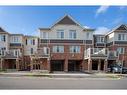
{"x": 6, "y": 43}
{"x": 110, "y": 37}
{"x": 20, "y": 39}
{"x": 27, "y": 48}
{"x": 81, "y": 35}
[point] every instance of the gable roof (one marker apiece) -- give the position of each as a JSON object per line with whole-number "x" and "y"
{"x": 67, "y": 19}
{"x": 3, "y": 31}
{"x": 120, "y": 27}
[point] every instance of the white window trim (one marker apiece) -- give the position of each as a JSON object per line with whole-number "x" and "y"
{"x": 59, "y": 34}
{"x": 46, "y": 36}
{"x": 77, "y": 49}
{"x": 61, "y": 49}
{"x": 71, "y": 34}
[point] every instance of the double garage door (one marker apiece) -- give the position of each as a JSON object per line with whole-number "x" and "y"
{"x": 58, "y": 65}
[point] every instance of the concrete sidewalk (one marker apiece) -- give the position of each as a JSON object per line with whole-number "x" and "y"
{"x": 62, "y": 75}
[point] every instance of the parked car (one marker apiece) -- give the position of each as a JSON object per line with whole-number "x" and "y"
{"x": 114, "y": 68}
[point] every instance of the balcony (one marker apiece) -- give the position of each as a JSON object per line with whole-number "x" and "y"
{"x": 95, "y": 53}
{"x": 112, "y": 55}
{"x": 42, "y": 53}
{"x": 2, "y": 53}
{"x": 10, "y": 54}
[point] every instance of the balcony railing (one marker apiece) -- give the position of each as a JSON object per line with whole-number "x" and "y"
{"x": 2, "y": 53}
{"x": 100, "y": 53}
{"x": 42, "y": 53}
{"x": 10, "y": 53}
{"x": 112, "y": 55}
{"x": 96, "y": 52}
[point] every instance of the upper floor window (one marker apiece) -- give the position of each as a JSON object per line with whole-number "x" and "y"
{"x": 100, "y": 39}
{"x": 30, "y": 42}
{"x": 45, "y": 35}
{"x": 2, "y": 50}
{"x": 60, "y": 34}
{"x": 2, "y": 38}
{"x": 120, "y": 50}
{"x": 72, "y": 34}
{"x": 26, "y": 41}
{"x": 46, "y": 50}
{"x": 88, "y": 35}
{"x": 15, "y": 39}
{"x": 33, "y": 41}
{"x": 121, "y": 36}
{"x": 58, "y": 49}
{"x": 16, "y": 53}
{"x": 31, "y": 50}
{"x": 75, "y": 49}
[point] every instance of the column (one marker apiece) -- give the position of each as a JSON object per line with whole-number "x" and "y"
{"x": 31, "y": 64}
{"x": 105, "y": 65}
{"x": 83, "y": 65}
{"x": 1, "y": 64}
{"x": 99, "y": 65}
{"x": 66, "y": 65}
{"x": 48, "y": 65}
{"x": 89, "y": 65}
{"x": 17, "y": 64}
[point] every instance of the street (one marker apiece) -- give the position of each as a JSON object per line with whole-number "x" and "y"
{"x": 61, "y": 83}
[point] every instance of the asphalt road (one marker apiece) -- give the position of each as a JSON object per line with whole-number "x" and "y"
{"x": 60, "y": 83}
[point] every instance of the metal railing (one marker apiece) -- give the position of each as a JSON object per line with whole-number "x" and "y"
{"x": 96, "y": 52}
{"x": 42, "y": 52}
{"x": 112, "y": 54}
{"x": 10, "y": 53}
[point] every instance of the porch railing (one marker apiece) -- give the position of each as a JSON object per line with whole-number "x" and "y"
{"x": 112, "y": 54}
{"x": 10, "y": 53}
{"x": 96, "y": 52}
{"x": 42, "y": 52}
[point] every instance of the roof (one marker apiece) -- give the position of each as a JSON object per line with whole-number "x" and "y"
{"x": 44, "y": 28}
{"x": 29, "y": 36}
{"x": 2, "y": 30}
{"x": 68, "y": 20}
{"x": 117, "y": 28}
{"x": 99, "y": 34}
{"x": 16, "y": 34}
{"x": 88, "y": 29}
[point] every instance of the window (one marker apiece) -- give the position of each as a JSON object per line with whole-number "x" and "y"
{"x": 75, "y": 49}
{"x": 33, "y": 41}
{"x": 16, "y": 53}
{"x": 26, "y": 41}
{"x": 31, "y": 50}
{"x": 2, "y": 50}
{"x": 58, "y": 49}
{"x": 60, "y": 34}
{"x": 72, "y": 34}
{"x": 2, "y": 38}
{"x": 45, "y": 35}
{"x": 15, "y": 39}
{"x": 46, "y": 50}
{"x": 121, "y": 36}
{"x": 87, "y": 35}
{"x": 120, "y": 50}
{"x": 100, "y": 39}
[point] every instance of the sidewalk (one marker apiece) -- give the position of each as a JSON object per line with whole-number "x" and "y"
{"x": 62, "y": 75}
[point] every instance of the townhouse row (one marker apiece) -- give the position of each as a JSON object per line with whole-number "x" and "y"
{"x": 65, "y": 46}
